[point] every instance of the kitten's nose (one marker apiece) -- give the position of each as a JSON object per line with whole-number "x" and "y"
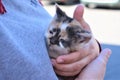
{"x": 53, "y": 40}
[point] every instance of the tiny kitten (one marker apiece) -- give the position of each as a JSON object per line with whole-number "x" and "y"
{"x": 65, "y": 35}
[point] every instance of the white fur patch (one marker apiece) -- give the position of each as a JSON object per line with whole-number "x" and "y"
{"x": 61, "y": 45}
{"x": 64, "y": 26}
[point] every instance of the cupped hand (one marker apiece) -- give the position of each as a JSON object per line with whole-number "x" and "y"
{"x": 73, "y": 63}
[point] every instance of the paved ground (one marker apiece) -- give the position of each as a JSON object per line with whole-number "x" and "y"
{"x": 105, "y": 24}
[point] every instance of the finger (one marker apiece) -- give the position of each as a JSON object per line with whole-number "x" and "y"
{"x": 98, "y": 65}
{"x": 66, "y": 67}
{"x": 63, "y": 73}
{"x": 85, "y": 61}
{"x": 78, "y": 15}
{"x": 70, "y": 58}
{"x": 76, "y": 66}
{"x": 104, "y": 56}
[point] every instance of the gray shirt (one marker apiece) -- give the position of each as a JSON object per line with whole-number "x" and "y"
{"x": 23, "y": 54}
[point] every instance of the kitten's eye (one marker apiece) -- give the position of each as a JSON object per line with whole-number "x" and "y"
{"x": 51, "y": 32}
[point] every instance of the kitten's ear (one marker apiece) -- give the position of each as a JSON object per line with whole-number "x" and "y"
{"x": 59, "y": 12}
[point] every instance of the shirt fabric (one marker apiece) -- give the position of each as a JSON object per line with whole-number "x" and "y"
{"x": 23, "y": 53}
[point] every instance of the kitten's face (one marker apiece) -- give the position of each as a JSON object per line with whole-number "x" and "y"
{"x": 66, "y": 32}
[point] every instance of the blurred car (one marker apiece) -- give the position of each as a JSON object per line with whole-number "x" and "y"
{"x": 64, "y": 1}
{"x": 102, "y": 3}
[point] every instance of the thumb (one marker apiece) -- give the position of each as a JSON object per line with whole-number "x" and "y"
{"x": 104, "y": 56}
{"x": 96, "y": 69}
{"x": 78, "y": 15}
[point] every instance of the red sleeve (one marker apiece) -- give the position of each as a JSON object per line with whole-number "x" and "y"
{"x": 2, "y": 8}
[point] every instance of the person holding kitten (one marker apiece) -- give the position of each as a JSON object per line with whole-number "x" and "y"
{"x": 23, "y": 53}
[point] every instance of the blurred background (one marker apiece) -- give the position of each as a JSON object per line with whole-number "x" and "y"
{"x": 103, "y": 16}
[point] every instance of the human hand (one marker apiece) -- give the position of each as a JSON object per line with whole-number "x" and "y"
{"x": 73, "y": 63}
{"x": 96, "y": 69}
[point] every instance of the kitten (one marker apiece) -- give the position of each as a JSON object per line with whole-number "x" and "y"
{"x": 65, "y": 35}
